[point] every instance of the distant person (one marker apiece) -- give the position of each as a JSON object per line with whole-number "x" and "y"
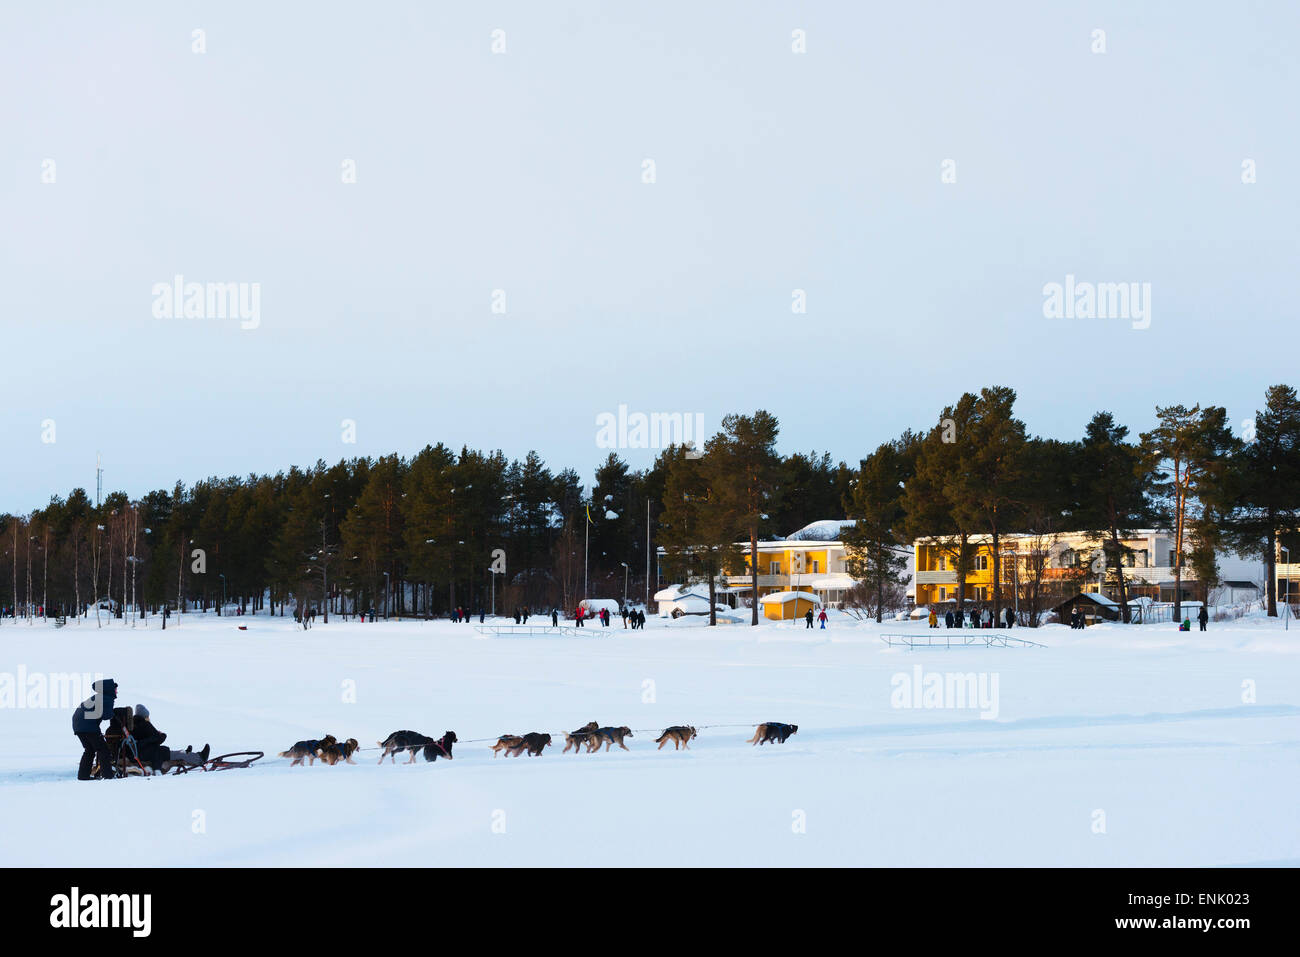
{"x": 1203, "y": 616}
{"x": 822, "y": 619}
{"x": 947, "y": 619}
{"x": 555, "y": 618}
{"x": 1186, "y": 625}
{"x": 1011, "y": 618}
{"x": 808, "y": 618}
{"x": 577, "y": 617}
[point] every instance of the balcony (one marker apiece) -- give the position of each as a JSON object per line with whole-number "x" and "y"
{"x": 936, "y": 578}
{"x": 766, "y": 581}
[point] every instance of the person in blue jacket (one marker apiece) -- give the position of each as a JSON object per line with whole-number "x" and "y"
{"x": 85, "y": 725}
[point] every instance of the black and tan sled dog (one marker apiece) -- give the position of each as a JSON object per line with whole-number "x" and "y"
{"x": 332, "y": 754}
{"x": 308, "y": 750}
{"x": 577, "y": 739}
{"x": 413, "y": 742}
{"x": 678, "y": 734}
{"x": 609, "y": 737}
{"x": 533, "y": 743}
{"x": 773, "y": 731}
{"x": 507, "y": 743}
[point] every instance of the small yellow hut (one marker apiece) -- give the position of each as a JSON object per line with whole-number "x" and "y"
{"x": 789, "y": 605}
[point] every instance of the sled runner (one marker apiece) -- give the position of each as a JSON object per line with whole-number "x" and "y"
{"x": 223, "y": 762}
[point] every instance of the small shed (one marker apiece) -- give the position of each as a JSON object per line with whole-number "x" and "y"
{"x": 789, "y": 605}
{"x": 1095, "y": 607}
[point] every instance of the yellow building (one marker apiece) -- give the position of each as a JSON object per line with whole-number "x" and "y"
{"x": 797, "y": 563}
{"x": 810, "y": 560}
{"x": 1067, "y": 561}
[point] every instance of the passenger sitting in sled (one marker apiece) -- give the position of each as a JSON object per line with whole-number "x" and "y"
{"x": 149, "y": 745}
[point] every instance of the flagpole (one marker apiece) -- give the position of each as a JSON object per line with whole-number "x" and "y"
{"x": 586, "y": 539}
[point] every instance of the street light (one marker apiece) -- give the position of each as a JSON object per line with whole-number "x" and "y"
{"x": 1286, "y": 626}
{"x": 625, "y": 570}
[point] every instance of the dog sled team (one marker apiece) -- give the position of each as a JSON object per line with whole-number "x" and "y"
{"x": 134, "y": 745}
{"x": 589, "y": 738}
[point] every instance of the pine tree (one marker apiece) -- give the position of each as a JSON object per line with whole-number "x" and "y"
{"x": 697, "y": 529}
{"x": 1265, "y": 485}
{"x": 1116, "y": 491}
{"x": 1189, "y": 452}
{"x": 876, "y": 551}
{"x": 746, "y": 472}
{"x": 930, "y": 514}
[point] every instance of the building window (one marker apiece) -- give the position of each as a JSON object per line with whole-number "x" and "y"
{"x": 981, "y": 563}
{"x": 943, "y": 594}
{"x": 816, "y": 567}
{"x": 774, "y": 568}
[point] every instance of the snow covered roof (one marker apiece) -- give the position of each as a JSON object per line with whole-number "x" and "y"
{"x": 826, "y": 530}
{"x": 679, "y": 591}
{"x": 827, "y": 582}
{"x": 693, "y": 605}
{"x": 781, "y": 597}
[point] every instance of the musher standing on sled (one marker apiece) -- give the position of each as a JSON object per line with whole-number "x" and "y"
{"x": 85, "y": 725}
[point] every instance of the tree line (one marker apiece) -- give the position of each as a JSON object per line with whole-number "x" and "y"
{"x": 397, "y": 536}
{"x": 439, "y": 530}
{"x": 977, "y": 474}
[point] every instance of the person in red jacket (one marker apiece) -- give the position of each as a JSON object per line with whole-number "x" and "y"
{"x": 577, "y": 616}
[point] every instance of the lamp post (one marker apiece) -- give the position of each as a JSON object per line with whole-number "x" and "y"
{"x": 493, "y": 572}
{"x": 1286, "y": 624}
{"x": 222, "y": 609}
{"x": 625, "y": 570}
{"x": 388, "y": 587}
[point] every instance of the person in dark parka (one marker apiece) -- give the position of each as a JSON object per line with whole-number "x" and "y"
{"x": 1204, "y": 614}
{"x": 85, "y": 725}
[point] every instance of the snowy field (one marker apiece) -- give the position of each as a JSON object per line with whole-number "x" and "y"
{"x": 1137, "y": 746}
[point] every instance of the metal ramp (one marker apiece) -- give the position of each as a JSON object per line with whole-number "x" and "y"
{"x": 963, "y": 638}
{"x": 534, "y": 631}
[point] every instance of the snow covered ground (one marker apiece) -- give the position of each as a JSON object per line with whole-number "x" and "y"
{"x": 1137, "y": 746}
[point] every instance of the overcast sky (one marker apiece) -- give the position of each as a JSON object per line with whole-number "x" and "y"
{"x": 523, "y": 171}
